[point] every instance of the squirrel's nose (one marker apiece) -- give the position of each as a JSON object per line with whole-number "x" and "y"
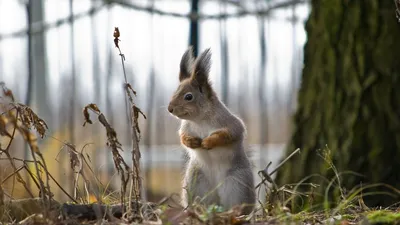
{"x": 170, "y": 109}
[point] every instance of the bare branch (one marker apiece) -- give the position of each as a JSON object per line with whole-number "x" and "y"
{"x": 41, "y": 27}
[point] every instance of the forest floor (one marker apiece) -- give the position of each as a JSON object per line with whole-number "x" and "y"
{"x": 163, "y": 214}
{"x": 355, "y": 215}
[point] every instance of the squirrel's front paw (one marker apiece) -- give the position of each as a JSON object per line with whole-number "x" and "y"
{"x": 208, "y": 143}
{"x": 191, "y": 142}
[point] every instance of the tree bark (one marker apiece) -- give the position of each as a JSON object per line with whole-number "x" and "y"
{"x": 349, "y": 98}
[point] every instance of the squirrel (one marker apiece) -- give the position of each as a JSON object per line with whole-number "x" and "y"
{"x": 218, "y": 170}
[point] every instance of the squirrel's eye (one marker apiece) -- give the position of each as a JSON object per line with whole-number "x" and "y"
{"x": 188, "y": 97}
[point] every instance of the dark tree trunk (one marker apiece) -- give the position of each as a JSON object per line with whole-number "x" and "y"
{"x": 194, "y": 28}
{"x": 97, "y": 76}
{"x": 148, "y": 138}
{"x": 224, "y": 55}
{"x": 110, "y": 70}
{"x": 261, "y": 85}
{"x": 71, "y": 127}
{"x": 36, "y": 88}
{"x": 349, "y": 97}
{"x": 37, "y": 56}
{"x": 151, "y": 97}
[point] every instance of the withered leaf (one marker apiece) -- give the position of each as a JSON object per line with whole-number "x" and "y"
{"x": 94, "y": 107}
{"x": 7, "y": 92}
{"x": 116, "y": 32}
{"x": 86, "y": 115}
{"x": 130, "y": 87}
{"x": 3, "y": 126}
{"x": 116, "y": 36}
{"x": 30, "y": 119}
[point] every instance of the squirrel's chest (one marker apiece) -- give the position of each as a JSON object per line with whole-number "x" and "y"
{"x": 214, "y": 162}
{"x": 202, "y": 131}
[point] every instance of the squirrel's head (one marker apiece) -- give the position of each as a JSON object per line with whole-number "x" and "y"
{"x": 194, "y": 95}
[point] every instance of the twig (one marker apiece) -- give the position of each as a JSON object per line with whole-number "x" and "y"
{"x": 88, "y": 165}
{"x": 25, "y": 161}
{"x": 83, "y": 158}
{"x": 11, "y": 174}
{"x": 276, "y": 169}
{"x": 2, "y": 193}
{"x": 6, "y": 151}
{"x": 31, "y": 174}
{"x": 40, "y": 27}
{"x": 62, "y": 189}
{"x": 19, "y": 177}
{"x": 41, "y": 183}
{"x": 76, "y": 161}
{"x": 44, "y": 166}
{"x": 198, "y": 16}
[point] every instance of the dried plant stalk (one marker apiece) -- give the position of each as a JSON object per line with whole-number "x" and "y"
{"x": 24, "y": 119}
{"x": 114, "y": 144}
{"x": 134, "y": 212}
{"x": 8, "y": 155}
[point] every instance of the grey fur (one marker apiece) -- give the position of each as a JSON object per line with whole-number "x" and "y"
{"x": 186, "y": 64}
{"x": 227, "y": 166}
{"x": 202, "y": 67}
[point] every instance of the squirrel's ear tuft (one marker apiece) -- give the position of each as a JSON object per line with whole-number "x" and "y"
{"x": 202, "y": 67}
{"x": 186, "y": 64}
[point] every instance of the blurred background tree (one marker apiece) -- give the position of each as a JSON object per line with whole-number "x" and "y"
{"x": 58, "y": 56}
{"x": 349, "y": 98}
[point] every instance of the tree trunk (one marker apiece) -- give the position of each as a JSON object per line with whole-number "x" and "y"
{"x": 349, "y": 99}
{"x": 38, "y": 89}
{"x": 194, "y": 29}
{"x": 224, "y": 55}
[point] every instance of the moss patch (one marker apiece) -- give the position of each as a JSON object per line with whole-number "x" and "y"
{"x": 383, "y": 217}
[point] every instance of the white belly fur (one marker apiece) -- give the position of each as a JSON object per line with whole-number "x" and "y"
{"x": 215, "y": 163}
